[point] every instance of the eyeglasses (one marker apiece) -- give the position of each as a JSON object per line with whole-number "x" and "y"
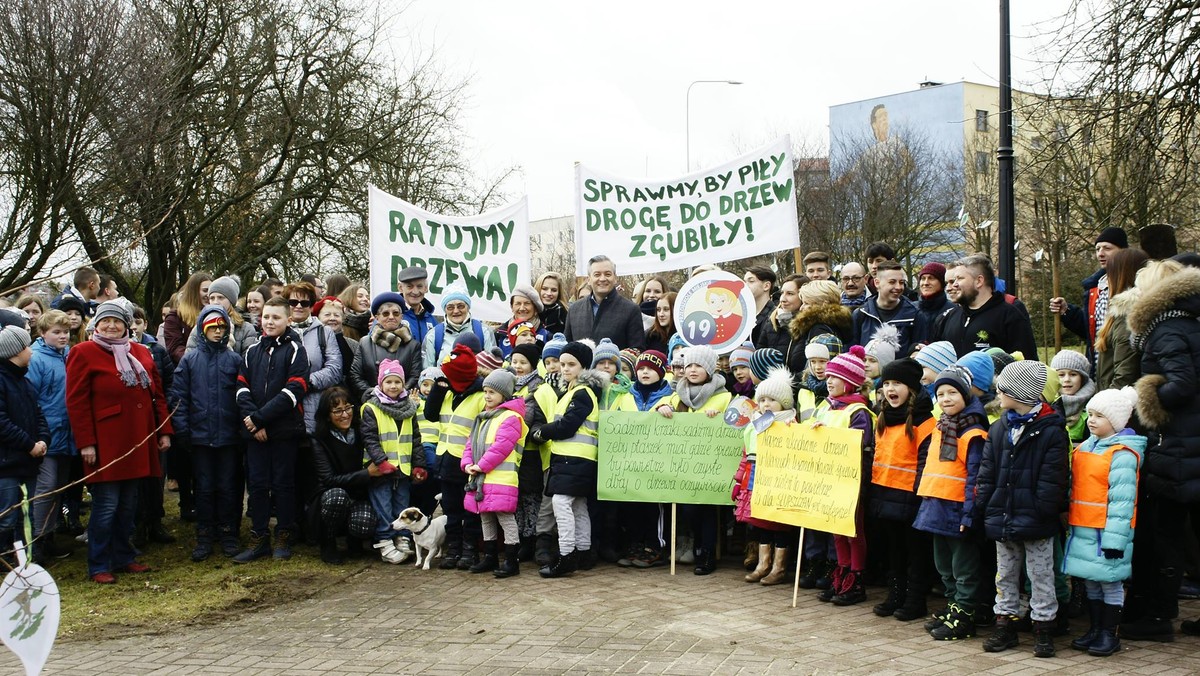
{"x": 855, "y": 279}
{"x": 295, "y": 302}
{"x": 343, "y": 410}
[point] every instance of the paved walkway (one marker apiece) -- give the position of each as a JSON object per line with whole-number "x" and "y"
{"x": 391, "y": 620}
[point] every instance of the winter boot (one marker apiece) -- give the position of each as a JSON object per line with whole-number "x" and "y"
{"x": 684, "y": 550}
{"x": 158, "y": 533}
{"x": 586, "y": 559}
{"x": 1108, "y": 641}
{"x": 836, "y": 578}
{"x": 854, "y": 591}
{"x": 706, "y": 563}
{"x": 825, "y": 579}
{"x": 1095, "y": 613}
{"x": 1043, "y": 639}
{"x": 469, "y": 555}
{"x": 511, "y": 564}
{"x": 204, "y": 545}
{"x": 894, "y": 598}
{"x": 563, "y": 565}
{"x": 230, "y": 546}
{"x": 778, "y": 567}
{"x": 329, "y": 550}
{"x": 450, "y": 558}
{"x": 814, "y": 571}
{"x": 525, "y": 550}
{"x": 763, "y": 560}
{"x": 283, "y": 545}
{"x": 753, "y": 556}
{"x": 1149, "y": 629}
{"x": 258, "y": 547}
{"x": 1004, "y": 636}
{"x": 387, "y": 551}
{"x": 544, "y": 549}
{"x": 914, "y": 607}
{"x": 939, "y": 618}
{"x": 1078, "y": 605}
{"x": 489, "y": 562}
{"x": 957, "y": 626}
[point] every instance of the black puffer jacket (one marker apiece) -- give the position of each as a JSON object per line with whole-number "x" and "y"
{"x": 570, "y": 475}
{"x": 21, "y": 423}
{"x": 1022, "y": 488}
{"x": 1163, "y": 325}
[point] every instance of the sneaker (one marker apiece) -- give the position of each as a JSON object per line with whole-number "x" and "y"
{"x": 404, "y": 546}
{"x": 938, "y": 619}
{"x": 626, "y": 560}
{"x": 82, "y": 537}
{"x": 388, "y": 552}
{"x": 651, "y": 557}
{"x": 957, "y": 626}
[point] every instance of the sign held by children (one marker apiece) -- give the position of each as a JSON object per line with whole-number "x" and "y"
{"x": 809, "y": 477}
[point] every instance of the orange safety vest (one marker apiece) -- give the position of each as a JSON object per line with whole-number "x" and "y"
{"x": 895, "y": 463}
{"x": 1089, "y": 488}
{"x": 947, "y": 479}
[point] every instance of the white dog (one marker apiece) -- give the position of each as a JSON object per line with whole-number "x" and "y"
{"x": 429, "y": 535}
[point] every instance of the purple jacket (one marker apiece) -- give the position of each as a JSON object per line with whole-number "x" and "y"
{"x": 496, "y": 497}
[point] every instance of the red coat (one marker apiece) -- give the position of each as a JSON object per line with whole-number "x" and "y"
{"x": 112, "y": 417}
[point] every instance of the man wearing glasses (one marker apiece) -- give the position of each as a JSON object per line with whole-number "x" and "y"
{"x": 854, "y": 285}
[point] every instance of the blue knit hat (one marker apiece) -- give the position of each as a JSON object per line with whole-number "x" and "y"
{"x": 455, "y": 293}
{"x": 676, "y": 341}
{"x": 606, "y": 350}
{"x": 763, "y": 360}
{"x": 981, "y": 367}
{"x": 554, "y": 346}
{"x": 936, "y": 356}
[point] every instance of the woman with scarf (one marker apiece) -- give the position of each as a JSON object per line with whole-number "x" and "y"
{"x": 118, "y": 414}
{"x": 356, "y": 304}
{"x": 330, "y": 313}
{"x": 456, "y": 307}
{"x": 775, "y": 330}
{"x": 526, "y": 307}
{"x": 390, "y": 338}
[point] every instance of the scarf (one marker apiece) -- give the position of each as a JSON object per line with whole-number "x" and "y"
{"x": 480, "y": 430}
{"x": 396, "y": 409}
{"x": 1101, "y": 301}
{"x": 555, "y": 381}
{"x": 618, "y": 386}
{"x": 783, "y": 318}
{"x": 301, "y": 326}
{"x": 745, "y": 389}
{"x": 391, "y": 340}
{"x": 818, "y": 387}
{"x": 1016, "y": 421}
{"x": 695, "y": 396}
{"x": 526, "y": 379}
{"x": 857, "y": 301}
{"x": 132, "y": 372}
{"x": 1073, "y": 404}
{"x": 348, "y": 437}
{"x": 1138, "y": 340}
{"x": 847, "y": 399}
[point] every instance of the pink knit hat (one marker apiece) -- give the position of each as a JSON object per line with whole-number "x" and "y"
{"x": 849, "y": 367}
{"x": 389, "y": 367}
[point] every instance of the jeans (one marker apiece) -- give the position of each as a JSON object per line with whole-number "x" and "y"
{"x": 389, "y": 496}
{"x": 52, "y": 475}
{"x": 114, "y": 506}
{"x": 12, "y": 524}
{"x": 1112, "y": 593}
{"x": 701, "y": 521}
{"x": 215, "y": 472}
{"x": 271, "y": 467}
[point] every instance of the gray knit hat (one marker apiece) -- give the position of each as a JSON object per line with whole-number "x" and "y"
{"x": 528, "y": 292}
{"x": 1023, "y": 381}
{"x": 606, "y": 349}
{"x": 113, "y": 308}
{"x": 1072, "y": 361}
{"x": 13, "y": 339}
{"x": 778, "y": 386}
{"x": 431, "y": 373}
{"x": 702, "y": 355}
{"x": 226, "y": 286}
{"x": 502, "y": 381}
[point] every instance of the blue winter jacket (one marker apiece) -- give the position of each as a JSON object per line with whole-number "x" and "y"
{"x": 943, "y": 517}
{"x": 21, "y": 423}
{"x": 48, "y": 375}
{"x": 204, "y": 392}
{"x": 1084, "y": 556}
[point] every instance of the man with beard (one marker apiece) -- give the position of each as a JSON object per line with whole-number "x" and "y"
{"x": 980, "y": 318}
{"x": 889, "y": 306}
{"x": 854, "y": 285}
{"x": 1084, "y": 321}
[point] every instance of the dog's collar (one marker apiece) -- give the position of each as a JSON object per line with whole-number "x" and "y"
{"x": 428, "y": 523}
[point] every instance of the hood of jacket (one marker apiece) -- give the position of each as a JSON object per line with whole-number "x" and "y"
{"x": 597, "y": 380}
{"x": 905, "y": 310}
{"x": 836, "y": 316}
{"x": 207, "y": 312}
{"x": 41, "y": 347}
{"x": 517, "y": 405}
{"x": 1122, "y": 304}
{"x": 1180, "y": 291}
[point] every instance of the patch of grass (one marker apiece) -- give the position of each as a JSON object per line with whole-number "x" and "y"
{"x": 178, "y": 592}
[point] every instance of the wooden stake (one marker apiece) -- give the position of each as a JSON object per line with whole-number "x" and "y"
{"x": 799, "y": 557}
{"x": 1055, "y": 291}
{"x": 673, "y": 529}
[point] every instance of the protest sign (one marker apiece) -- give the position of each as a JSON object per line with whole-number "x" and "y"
{"x": 808, "y": 476}
{"x": 29, "y": 610}
{"x": 488, "y": 254}
{"x": 689, "y": 458}
{"x": 743, "y": 208}
{"x": 715, "y": 309}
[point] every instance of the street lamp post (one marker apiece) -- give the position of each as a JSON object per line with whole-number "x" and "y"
{"x": 688, "y": 116}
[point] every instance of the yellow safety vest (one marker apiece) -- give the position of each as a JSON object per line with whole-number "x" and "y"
{"x": 429, "y": 431}
{"x": 456, "y": 423}
{"x": 806, "y": 404}
{"x": 482, "y": 438}
{"x": 719, "y": 401}
{"x": 839, "y": 417}
{"x": 586, "y": 440}
{"x": 396, "y": 440}
{"x": 546, "y": 400}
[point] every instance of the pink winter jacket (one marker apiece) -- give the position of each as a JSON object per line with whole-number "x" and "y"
{"x": 496, "y": 497}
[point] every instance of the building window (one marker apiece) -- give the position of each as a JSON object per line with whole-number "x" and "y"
{"x": 981, "y": 120}
{"x": 982, "y": 162}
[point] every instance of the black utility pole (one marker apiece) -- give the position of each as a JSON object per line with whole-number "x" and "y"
{"x": 1004, "y": 156}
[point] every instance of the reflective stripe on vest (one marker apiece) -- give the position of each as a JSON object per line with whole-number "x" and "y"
{"x": 482, "y": 438}
{"x": 586, "y": 440}
{"x": 1089, "y": 488}
{"x": 839, "y": 418}
{"x": 457, "y": 423}
{"x": 895, "y": 463}
{"x": 430, "y": 432}
{"x": 396, "y": 442}
{"x": 947, "y": 479}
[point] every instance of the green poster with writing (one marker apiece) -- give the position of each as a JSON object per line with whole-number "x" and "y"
{"x": 689, "y": 458}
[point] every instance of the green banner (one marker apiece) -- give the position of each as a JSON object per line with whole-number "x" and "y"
{"x": 689, "y": 459}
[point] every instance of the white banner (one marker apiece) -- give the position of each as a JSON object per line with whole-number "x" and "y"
{"x": 487, "y": 254}
{"x": 743, "y": 208}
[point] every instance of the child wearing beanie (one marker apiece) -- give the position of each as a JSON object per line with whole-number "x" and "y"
{"x": 742, "y": 382}
{"x": 1022, "y": 489}
{"x": 934, "y": 358}
{"x": 880, "y": 351}
{"x": 540, "y": 400}
{"x": 643, "y": 521}
{"x": 1104, "y": 474}
{"x": 27, "y": 436}
{"x": 606, "y": 359}
{"x": 551, "y": 351}
{"x": 817, "y": 354}
{"x": 947, "y": 492}
{"x": 847, "y": 408}
{"x": 1076, "y": 388}
{"x": 762, "y": 362}
{"x": 774, "y": 396}
{"x": 629, "y": 357}
{"x": 700, "y": 390}
{"x": 492, "y": 460}
{"x": 392, "y": 442}
{"x": 456, "y": 400}
{"x": 573, "y": 436}
{"x": 901, "y": 442}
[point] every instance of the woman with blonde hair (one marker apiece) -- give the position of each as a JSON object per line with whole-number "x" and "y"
{"x": 821, "y": 312}
{"x": 356, "y": 304}
{"x": 177, "y": 327}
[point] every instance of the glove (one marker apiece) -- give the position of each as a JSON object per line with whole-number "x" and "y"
{"x": 419, "y": 475}
{"x": 1113, "y": 553}
{"x": 386, "y": 468}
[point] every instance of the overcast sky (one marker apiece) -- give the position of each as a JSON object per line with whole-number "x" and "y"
{"x": 552, "y": 83}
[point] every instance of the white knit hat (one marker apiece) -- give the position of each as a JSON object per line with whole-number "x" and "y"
{"x": 778, "y": 386}
{"x": 884, "y": 345}
{"x": 1116, "y": 405}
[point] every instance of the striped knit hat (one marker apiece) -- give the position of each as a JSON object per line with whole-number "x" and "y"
{"x": 936, "y": 356}
{"x": 741, "y": 355}
{"x": 849, "y": 367}
{"x": 554, "y": 346}
{"x": 763, "y": 360}
{"x": 606, "y": 349}
{"x": 629, "y": 357}
{"x": 1023, "y": 381}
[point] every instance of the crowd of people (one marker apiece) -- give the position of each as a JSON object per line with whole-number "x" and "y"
{"x": 329, "y": 411}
